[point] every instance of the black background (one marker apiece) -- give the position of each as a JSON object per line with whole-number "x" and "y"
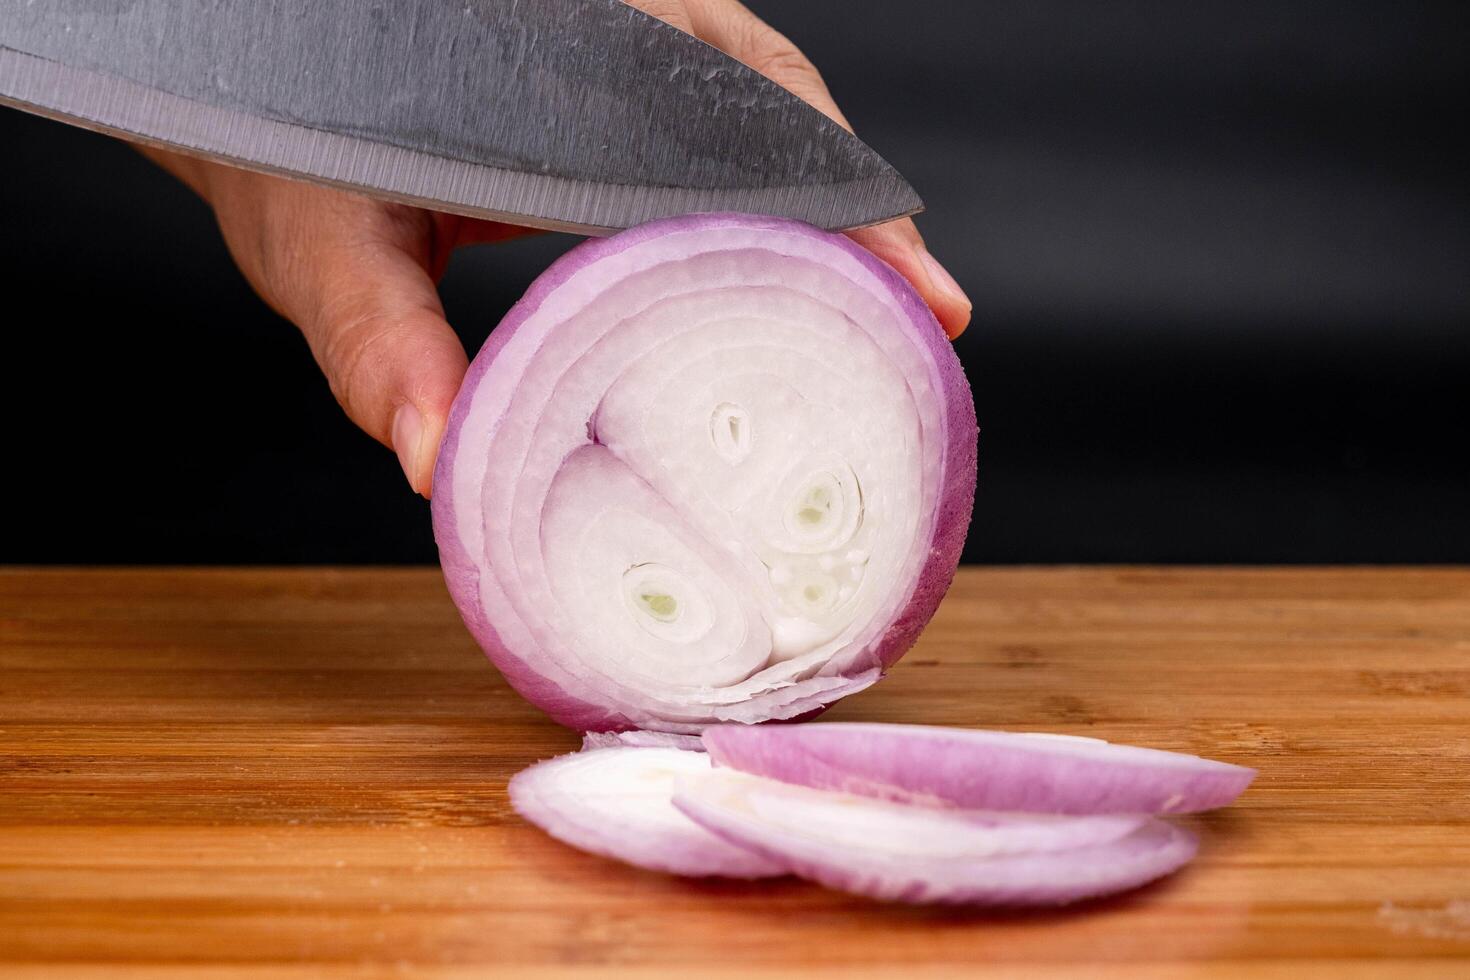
{"x": 1218, "y": 253}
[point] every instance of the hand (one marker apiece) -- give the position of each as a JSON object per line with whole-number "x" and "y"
{"x": 357, "y": 276}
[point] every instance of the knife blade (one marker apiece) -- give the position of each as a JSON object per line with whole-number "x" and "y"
{"x": 572, "y": 115}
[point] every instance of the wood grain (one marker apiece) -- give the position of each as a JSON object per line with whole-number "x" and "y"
{"x": 301, "y": 773}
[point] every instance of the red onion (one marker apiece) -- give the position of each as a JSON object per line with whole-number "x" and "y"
{"x": 714, "y": 468}
{"x": 668, "y": 809}
{"x": 617, "y": 802}
{"x": 901, "y": 852}
{"x": 979, "y": 769}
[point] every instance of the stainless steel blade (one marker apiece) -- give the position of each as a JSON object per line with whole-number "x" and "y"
{"x": 577, "y": 115}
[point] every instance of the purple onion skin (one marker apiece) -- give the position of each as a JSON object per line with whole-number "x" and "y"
{"x": 957, "y": 494}
{"x": 977, "y": 770}
{"x": 957, "y": 491}
{"x": 1047, "y": 878}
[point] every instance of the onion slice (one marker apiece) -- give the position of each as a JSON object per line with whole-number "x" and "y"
{"x": 714, "y": 468}
{"x": 979, "y": 769}
{"x": 617, "y": 802}
{"x": 901, "y": 852}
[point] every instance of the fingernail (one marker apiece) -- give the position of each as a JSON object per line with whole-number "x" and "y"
{"x": 940, "y": 277}
{"x": 408, "y": 432}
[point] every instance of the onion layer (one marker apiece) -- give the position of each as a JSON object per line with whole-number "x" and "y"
{"x": 714, "y": 468}
{"x": 617, "y": 802}
{"x": 979, "y": 769}
{"x": 902, "y": 852}
{"x": 669, "y": 809}
{"x": 641, "y": 739}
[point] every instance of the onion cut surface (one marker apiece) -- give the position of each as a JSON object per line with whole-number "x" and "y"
{"x": 714, "y": 468}
{"x": 973, "y": 769}
{"x": 902, "y": 852}
{"x": 641, "y": 739}
{"x": 617, "y": 802}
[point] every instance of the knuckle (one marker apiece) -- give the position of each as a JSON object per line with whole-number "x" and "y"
{"x": 354, "y": 353}
{"x": 774, "y": 56}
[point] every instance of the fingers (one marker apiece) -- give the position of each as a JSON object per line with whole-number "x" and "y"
{"x": 900, "y": 245}
{"x": 354, "y": 276}
{"x": 474, "y": 231}
{"x": 377, "y": 328}
{"x": 732, "y": 28}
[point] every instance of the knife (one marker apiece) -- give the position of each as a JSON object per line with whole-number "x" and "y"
{"x": 573, "y": 115}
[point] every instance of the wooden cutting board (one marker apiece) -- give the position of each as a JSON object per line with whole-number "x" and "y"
{"x": 302, "y": 773}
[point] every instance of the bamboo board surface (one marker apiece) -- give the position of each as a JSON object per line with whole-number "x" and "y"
{"x": 301, "y": 773}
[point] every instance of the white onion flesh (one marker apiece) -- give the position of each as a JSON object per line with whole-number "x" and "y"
{"x": 668, "y": 809}
{"x": 713, "y": 469}
{"x": 641, "y": 739}
{"x": 618, "y": 802}
{"x": 902, "y": 852}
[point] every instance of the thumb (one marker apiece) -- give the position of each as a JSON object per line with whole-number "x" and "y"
{"x": 354, "y": 275}
{"x": 378, "y": 331}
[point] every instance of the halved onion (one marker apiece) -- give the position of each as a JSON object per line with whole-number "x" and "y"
{"x": 617, "y": 802}
{"x": 903, "y": 852}
{"x": 974, "y": 769}
{"x": 714, "y": 468}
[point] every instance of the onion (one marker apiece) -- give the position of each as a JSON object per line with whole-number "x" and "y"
{"x": 979, "y": 769}
{"x": 910, "y": 853}
{"x": 617, "y": 802}
{"x": 668, "y": 809}
{"x": 714, "y": 468}
{"x": 641, "y": 739}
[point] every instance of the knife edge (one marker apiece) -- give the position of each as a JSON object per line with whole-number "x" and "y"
{"x": 140, "y": 114}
